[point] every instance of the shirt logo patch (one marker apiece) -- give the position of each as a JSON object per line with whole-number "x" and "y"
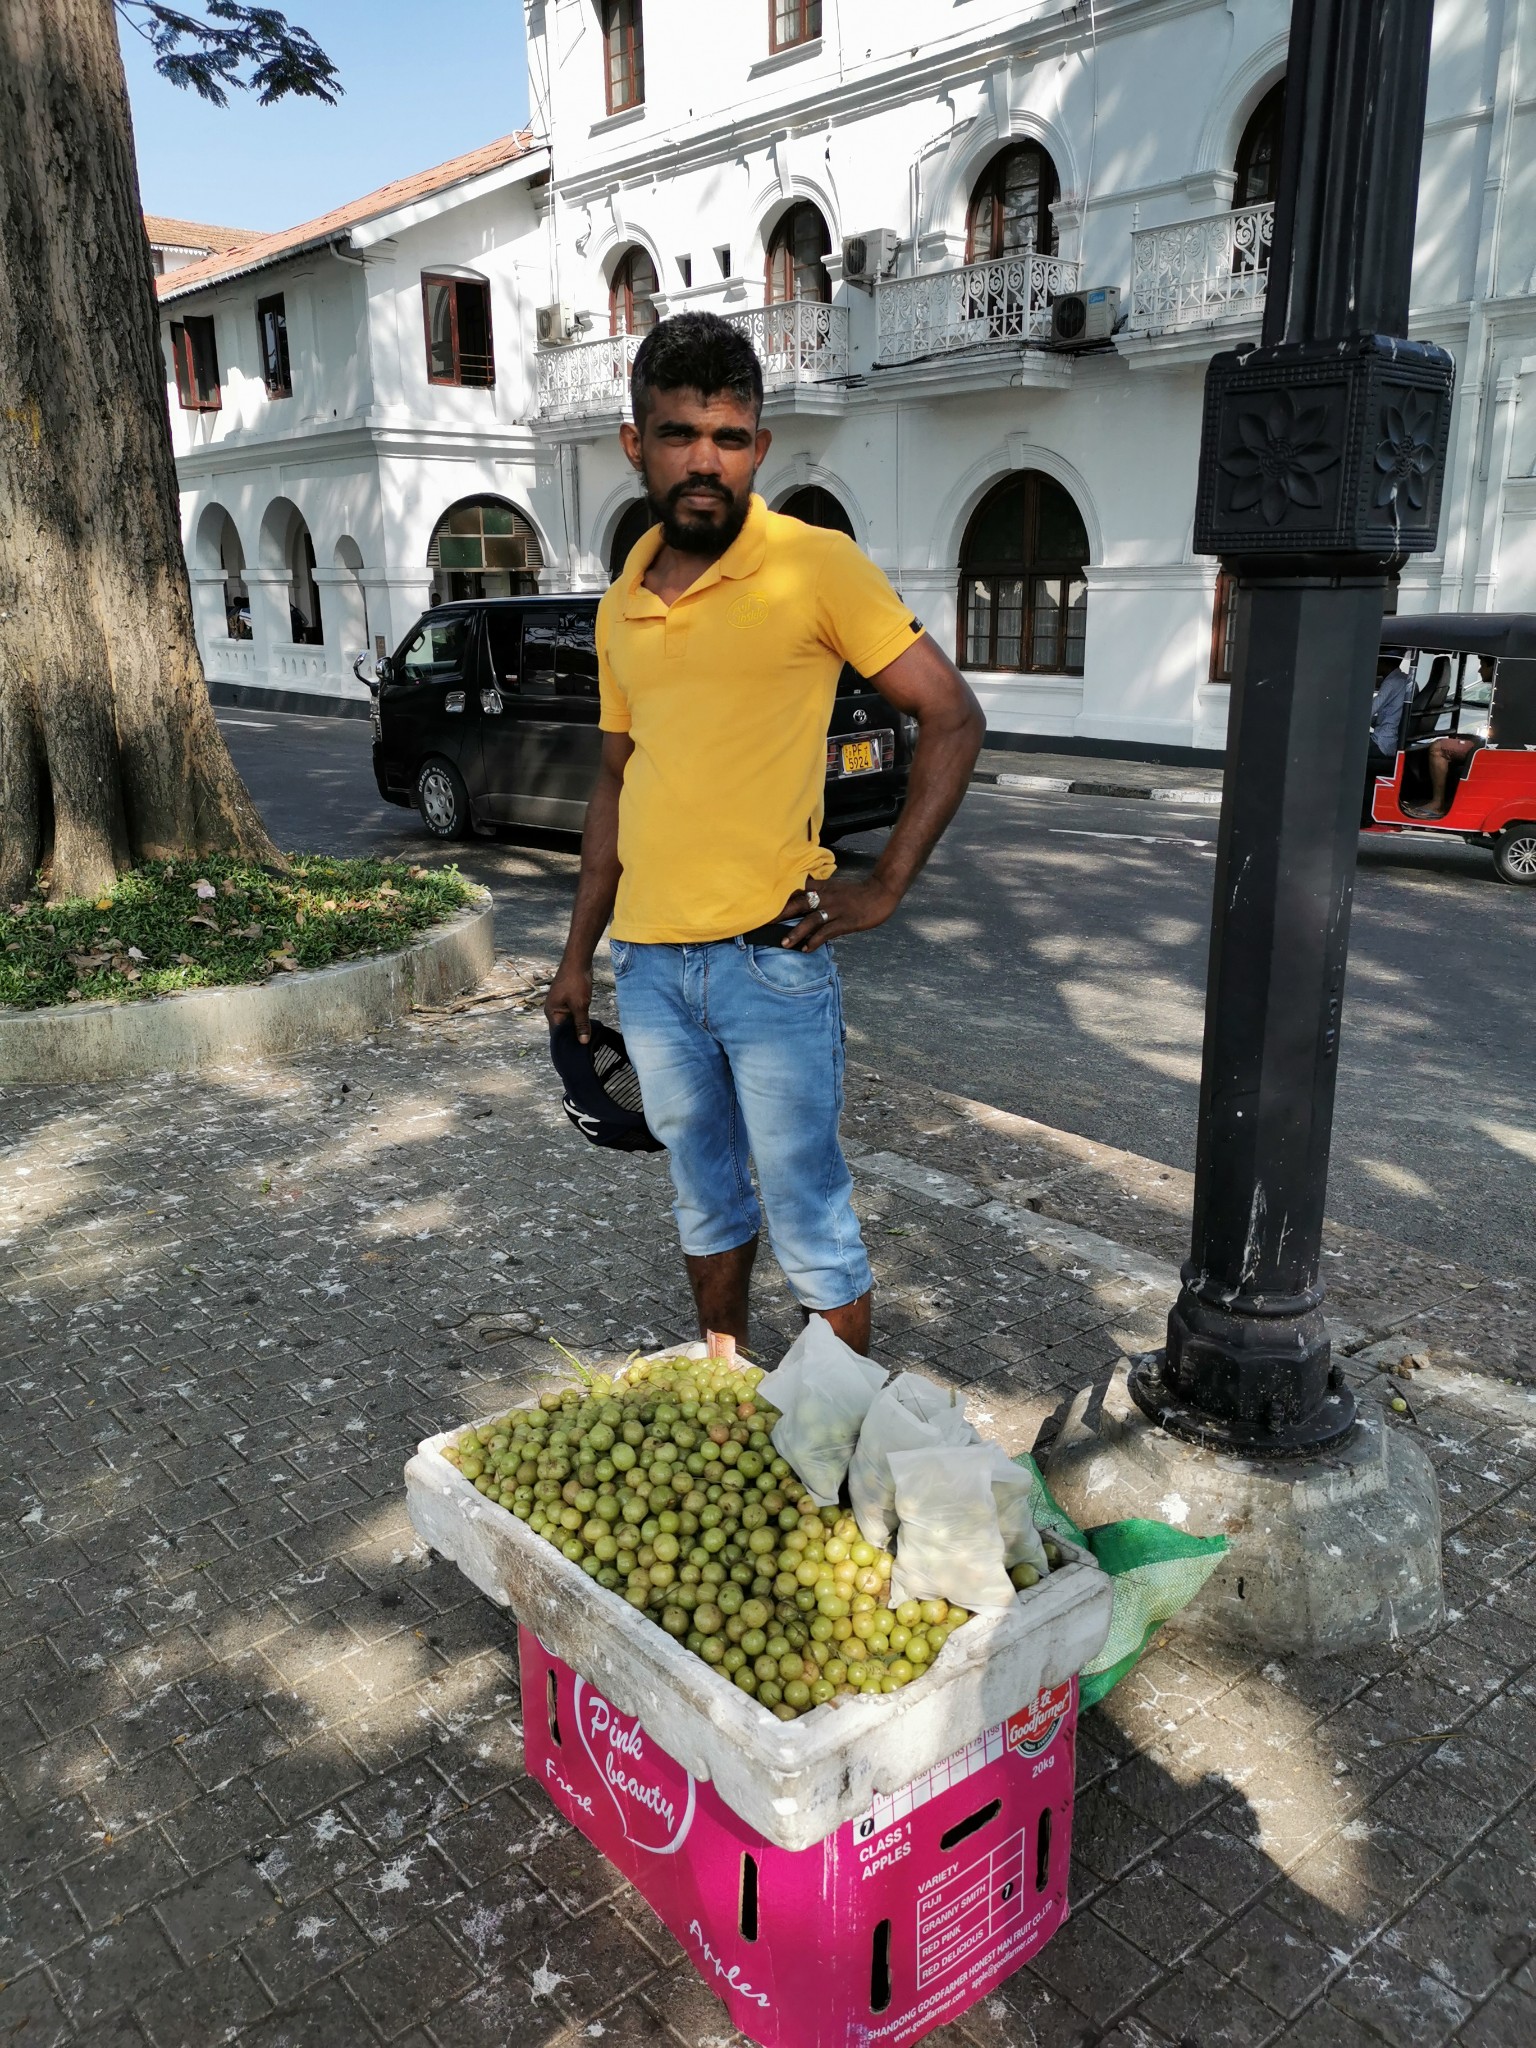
{"x": 749, "y": 610}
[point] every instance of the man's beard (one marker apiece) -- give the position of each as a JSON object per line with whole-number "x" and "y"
{"x": 706, "y": 539}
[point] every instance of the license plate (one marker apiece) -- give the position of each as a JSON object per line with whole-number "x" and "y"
{"x": 860, "y": 757}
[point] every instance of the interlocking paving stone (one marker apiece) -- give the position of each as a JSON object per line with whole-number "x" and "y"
{"x": 260, "y": 1755}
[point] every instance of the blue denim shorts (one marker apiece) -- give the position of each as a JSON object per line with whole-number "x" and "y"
{"x": 739, "y": 1050}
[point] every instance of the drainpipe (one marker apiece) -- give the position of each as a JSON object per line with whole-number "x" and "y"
{"x": 1459, "y": 574}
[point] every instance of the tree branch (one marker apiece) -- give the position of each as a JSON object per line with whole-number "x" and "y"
{"x": 234, "y": 47}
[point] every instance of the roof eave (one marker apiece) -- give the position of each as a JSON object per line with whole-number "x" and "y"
{"x": 364, "y": 234}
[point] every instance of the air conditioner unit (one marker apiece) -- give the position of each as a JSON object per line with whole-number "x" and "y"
{"x": 1079, "y": 319}
{"x": 555, "y": 323}
{"x": 870, "y": 255}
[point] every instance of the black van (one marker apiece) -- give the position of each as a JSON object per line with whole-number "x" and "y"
{"x": 487, "y": 715}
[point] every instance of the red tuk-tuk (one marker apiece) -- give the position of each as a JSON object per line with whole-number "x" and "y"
{"x": 1474, "y": 676}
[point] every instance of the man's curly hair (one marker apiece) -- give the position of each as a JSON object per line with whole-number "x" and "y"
{"x": 695, "y": 352}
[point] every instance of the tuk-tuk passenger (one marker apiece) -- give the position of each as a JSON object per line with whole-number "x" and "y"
{"x": 1442, "y": 753}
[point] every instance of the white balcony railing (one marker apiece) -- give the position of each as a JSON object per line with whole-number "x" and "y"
{"x": 587, "y": 379}
{"x": 227, "y": 657}
{"x": 798, "y": 343}
{"x": 983, "y": 305}
{"x": 1193, "y": 272}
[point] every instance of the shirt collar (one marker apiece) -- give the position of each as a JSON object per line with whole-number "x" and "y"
{"x": 744, "y": 557}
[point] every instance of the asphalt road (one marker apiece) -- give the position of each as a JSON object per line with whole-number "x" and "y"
{"x": 1052, "y": 961}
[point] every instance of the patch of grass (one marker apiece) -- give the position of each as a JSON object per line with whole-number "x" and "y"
{"x": 180, "y": 924}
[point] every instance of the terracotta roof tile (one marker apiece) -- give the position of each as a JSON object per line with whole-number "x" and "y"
{"x": 326, "y": 227}
{"x": 195, "y": 234}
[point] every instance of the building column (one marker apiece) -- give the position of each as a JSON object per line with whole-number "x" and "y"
{"x": 344, "y": 620}
{"x": 271, "y": 593}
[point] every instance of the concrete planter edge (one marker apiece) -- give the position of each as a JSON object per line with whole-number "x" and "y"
{"x": 209, "y": 1026}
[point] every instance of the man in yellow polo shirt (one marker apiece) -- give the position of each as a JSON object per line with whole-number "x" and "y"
{"x": 719, "y": 648}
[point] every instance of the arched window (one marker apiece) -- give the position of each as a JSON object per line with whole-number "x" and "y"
{"x": 796, "y": 269}
{"x": 1258, "y": 154}
{"x": 635, "y": 520}
{"x": 1010, "y": 213}
{"x": 484, "y": 547}
{"x": 818, "y": 507}
{"x": 632, "y": 295}
{"x": 1023, "y": 595}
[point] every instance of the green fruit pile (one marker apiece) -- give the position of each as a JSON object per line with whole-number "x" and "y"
{"x": 664, "y": 1485}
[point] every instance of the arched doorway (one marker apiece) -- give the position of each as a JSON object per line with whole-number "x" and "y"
{"x": 817, "y": 506}
{"x": 797, "y": 252}
{"x": 1010, "y": 210}
{"x": 1023, "y": 591}
{"x": 286, "y": 545}
{"x": 635, "y": 519}
{"x": 1258, "y": 153}
{"x": 632, "y": 294}
{"x": 484, "y": 547}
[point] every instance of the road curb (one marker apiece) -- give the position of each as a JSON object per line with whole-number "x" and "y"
{"x": 1061, "y": 785}
{"x": 212, "y": 1026}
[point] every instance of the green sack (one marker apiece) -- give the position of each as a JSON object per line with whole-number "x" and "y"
{"x": 1156, "y": 1571}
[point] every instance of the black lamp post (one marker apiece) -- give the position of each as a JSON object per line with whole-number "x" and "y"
{"x": 1320, "y": 469}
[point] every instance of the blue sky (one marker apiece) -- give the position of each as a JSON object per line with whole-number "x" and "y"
{"x": 423, "y": 80}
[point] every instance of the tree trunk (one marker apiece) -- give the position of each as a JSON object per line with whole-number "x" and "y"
{"x": 109, "y": 751}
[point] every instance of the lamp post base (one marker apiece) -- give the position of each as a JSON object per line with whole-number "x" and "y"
{"x": 1162, "y": 1402}
{"x": 1331, "y": 1552}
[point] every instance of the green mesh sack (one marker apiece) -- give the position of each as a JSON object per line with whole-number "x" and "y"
{"x": 1156, "y": 1571}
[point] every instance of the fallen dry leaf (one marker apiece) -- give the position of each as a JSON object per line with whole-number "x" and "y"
{"x": 212, "y": 923}
{"x": 204, "y": 888}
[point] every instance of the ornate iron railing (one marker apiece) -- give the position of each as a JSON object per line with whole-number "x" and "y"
{"x": 980, "y": 306}
{"x": 587, "y": 379}
{"x": 1192, "y": 272}
{"x": 800, "y": 342}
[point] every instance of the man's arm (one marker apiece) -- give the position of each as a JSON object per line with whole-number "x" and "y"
{"x": 570, "y": 993}
{"x": 950, "y": 727}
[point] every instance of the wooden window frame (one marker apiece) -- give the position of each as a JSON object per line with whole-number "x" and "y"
{"x": 1273, "y": 96}
{"x": 186, "y": 337}
{"x": 781, "y": 240}
{"x": 631, "y": 44}
{"x": 1026, "y": 571}
{"x": 1223, "y": 627}
{"x": 621, "y": 293}
{"x": 805, "y": 10}
{"x": 276, "y": 369}
{"x": 431, "y": 278}
{"x": 990, "y": 185}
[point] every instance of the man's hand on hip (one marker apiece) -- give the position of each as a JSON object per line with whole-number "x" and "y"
{"x": 570, "y": 996}
{"x": 839, "y": 908}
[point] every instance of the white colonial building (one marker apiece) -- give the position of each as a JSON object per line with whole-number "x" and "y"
{"x": 891, "y": 196}
{"x": 352, "y": 406}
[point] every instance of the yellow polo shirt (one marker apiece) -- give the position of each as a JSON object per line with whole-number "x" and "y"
{"x": 727, "y": 694}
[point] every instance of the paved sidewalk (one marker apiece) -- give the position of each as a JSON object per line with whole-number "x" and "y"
{"x": 261, "y": 1756}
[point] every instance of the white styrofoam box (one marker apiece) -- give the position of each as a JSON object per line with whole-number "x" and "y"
{"x": 794, "y": 1781}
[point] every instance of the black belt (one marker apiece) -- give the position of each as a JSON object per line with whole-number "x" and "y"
{"x": 769, "y": 934}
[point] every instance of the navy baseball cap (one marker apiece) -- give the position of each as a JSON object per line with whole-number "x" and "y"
{"x": 602, "y": 1089}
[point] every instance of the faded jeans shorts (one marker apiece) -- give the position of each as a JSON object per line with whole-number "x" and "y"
{"x": 739, "y": 1050}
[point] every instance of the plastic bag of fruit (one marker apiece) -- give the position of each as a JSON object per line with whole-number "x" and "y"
{"x": 822, "y": 1390}
{"x": 964, "y": 1521}
{"x": 909, "y": 1413}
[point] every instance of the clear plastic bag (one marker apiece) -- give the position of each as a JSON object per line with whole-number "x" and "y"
{"x": 822, "y": 1390}
{"x": 964, "y": 1519}
{"x": 909, "y": 1413}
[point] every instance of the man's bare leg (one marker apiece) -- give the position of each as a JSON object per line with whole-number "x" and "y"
{"x": 721, "y": 1283}
{"x": 851, "y": 1322}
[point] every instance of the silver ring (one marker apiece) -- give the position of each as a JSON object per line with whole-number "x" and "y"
{"x": 826, "y": 917}
{"x": 813, "y": 899}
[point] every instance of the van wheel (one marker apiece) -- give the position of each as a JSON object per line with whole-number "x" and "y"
{"x": 442, "y": 800}
{"x": 1514, "y": 853}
